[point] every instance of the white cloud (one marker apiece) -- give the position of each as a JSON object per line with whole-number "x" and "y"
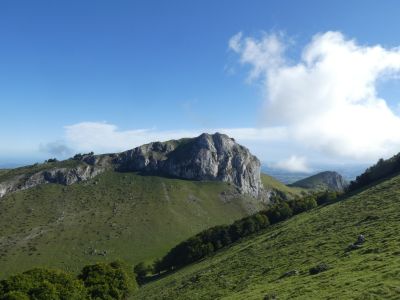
{"x": 295, "y": 164}
{"x": 327, "y": 100}
{"x": 262, "y": 54}
{"x": 104, "y": 137}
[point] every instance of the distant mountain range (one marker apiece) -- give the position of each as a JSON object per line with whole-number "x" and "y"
{"x": 348, "y": 171}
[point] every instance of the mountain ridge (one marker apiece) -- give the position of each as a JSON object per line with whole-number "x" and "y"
{"x": 213, "y": 157}
{"x": 329, "y": 180}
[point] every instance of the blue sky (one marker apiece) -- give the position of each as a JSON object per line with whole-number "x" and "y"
{"x": 166, "y": 67}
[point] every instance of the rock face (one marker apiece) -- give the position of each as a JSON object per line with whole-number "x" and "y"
{"x": 65, "y": 176}
{"x": 324, "y": 180}
{"x": 208, "y": 157}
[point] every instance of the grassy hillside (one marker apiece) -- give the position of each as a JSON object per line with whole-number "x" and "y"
{"x": 114, "y": 215}
{"x": 381, "y": 170}
{"x": 254, "y": 268}
{"x": 326, "y": 180}
{"x": 271, "y": 183}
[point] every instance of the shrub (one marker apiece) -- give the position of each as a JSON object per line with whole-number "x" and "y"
{"x": 15, "y": 295}
{"x": 279, "y": 212}
{"x": 51, "y": 160}
{"x": 326, "y": 197}
{"x": 142, "y": 270}
{"x": 108, "y": 281}
{"x": 42, "y": 284}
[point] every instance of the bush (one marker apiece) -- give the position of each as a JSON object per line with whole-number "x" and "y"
{"x": 279, "y": 212}
{"x": 322, "y": 267}
{"x": 42, "y": 284}
{"x": 51, "y": 160}
{"x": 108, "y": 281}
{"x": 303, "y": 204}
{"x": 326, "y": 197}
{"x": 142, "y": 270}
{"x": 15, "y": 295}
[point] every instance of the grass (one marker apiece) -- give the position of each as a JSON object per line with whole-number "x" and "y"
{"x": 317, "y": 182}
{"x": 253, "y": 268}
{"x": 113, "y": 216}
{"x": 270, "y": 182}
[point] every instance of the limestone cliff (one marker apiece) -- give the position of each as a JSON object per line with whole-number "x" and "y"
{"x": 213, "y": 157}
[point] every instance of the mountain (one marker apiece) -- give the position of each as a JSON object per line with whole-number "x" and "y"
{"x": 349, "y": 171}
{"x": 327, "y": 180}
{"x": 208, "y": 157}
{"x": 345, "y": 250}
{"x": 134, "y": 205}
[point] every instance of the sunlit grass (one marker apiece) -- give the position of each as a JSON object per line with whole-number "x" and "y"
{"x": 253, "y": 269}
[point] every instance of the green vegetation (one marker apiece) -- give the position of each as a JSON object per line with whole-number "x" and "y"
{"x": 271, "y": 183}
{"x": 381, "y": 170}
{"x": 100, "y": 281}
{"x": 211, "y": 240}
{"x": 112, "y": 281}
{"x": 113, "y": 216}
{"x": 277, "y": 262}
{"x": 42, "y": 284}
{"x": 323, "y": 181}
{"x": 26, "y": 171}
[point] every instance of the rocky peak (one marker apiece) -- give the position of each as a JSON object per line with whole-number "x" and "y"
{"x": 324, "y": 180}
{"x": 213, "y": 157}
{"x": 206, "y": 157}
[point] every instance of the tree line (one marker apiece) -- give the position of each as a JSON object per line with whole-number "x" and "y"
{"x": 116, "y": 280}
{"x": 211, "y": 240}
{"x": 382, "y": 169}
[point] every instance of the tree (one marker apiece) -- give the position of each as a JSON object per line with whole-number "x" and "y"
{"x": 326, "y": 197}
{"x": 279, "y": 212}
{"x": 42, "y": 284}
{"x": 108, "y": 281}
{"x": 15, "y": 295}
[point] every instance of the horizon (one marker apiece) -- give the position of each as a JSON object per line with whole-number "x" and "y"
{"x": 310, "y": 85}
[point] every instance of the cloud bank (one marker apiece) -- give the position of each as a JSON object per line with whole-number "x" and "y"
{"x": 324, "y": 104}
{"x": 328, "y": 99}
{"x": 104, "y": 137}
{"x": 293, "y": 164}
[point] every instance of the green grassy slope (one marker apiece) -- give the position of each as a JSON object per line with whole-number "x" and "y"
{"x": 124, "y": 215}
{"x": 270, "y": 182}
{"x": 326, "y": 180}
{"x": 253, "y": 268}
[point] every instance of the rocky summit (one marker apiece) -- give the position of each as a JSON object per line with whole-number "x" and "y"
{"x": 215, "y": 157}
{"x": 325, "y": 180}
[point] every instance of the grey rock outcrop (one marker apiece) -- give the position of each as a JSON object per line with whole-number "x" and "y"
{"x": 213, "y": 157}
{"x": 207, "y": 157}
{"x": 65, "y": 176}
